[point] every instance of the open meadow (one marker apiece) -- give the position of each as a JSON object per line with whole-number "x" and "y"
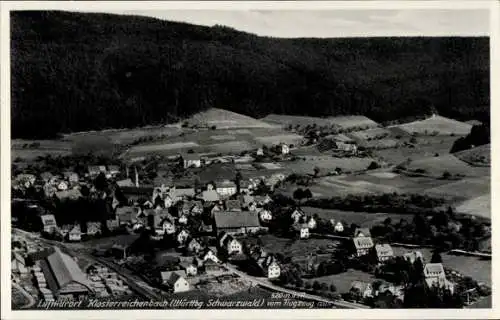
{"x": 478, "y": 206}
{"x": 478, "y": 156}
{"x": 287, "y": 120}
{"x": 463, "y": 189}
{"x": 353, "y": 122}
{"x": 292, "y": 247}
{"x": 343, "y": 281}
{"x": 425, "y": 147}
{"x": 326, "y": 163}
{"x": 224, "y": 119}
{"x": 437, "y": 166}
{"x": 436, "y": 125}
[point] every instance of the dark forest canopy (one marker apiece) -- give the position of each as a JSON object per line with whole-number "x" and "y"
{"x": 80, "y": 71}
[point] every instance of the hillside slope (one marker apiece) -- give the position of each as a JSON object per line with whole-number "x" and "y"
{"x": 82, "y": 71}
{"x": 224, "y": 119}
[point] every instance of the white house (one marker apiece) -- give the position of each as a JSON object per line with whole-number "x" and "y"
{"x": 191, "y": 160}
{"x": 183, "y": 219}
{"x": 226, "y": 188}
{"x": 168, "y": 227}
{"x": 363, "y": 245}
{"x": 175, "y": 281}
{"x": 62, "y": 186}
{"x": 208, "y": 254}
{"x": 435, "y": 277}
{"x": 297, "y": 214}
{"x": 167, "y": 201}
{"x": 384, "y": 252}
{"x": 260, "y": 152}
{"x": 273, "y": 270}
{"x": 311, "y": 223}
{"x": 304, "y": 231}
{"x": 49, "y": 222}
{"x": 194, "y": 246}
{"x": 285, "y": 149}
{"x": 75, "y": 234}
{"x": 265, "y": 215}
{"x": 182, "y": 237}
{"x": 231, "y": 245}
{"x": 337, "y": 225}
{"x": 190, "y": 269}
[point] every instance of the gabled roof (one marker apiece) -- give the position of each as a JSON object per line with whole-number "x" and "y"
{"x": 363, "y": 242}
{"x": 65, "y": 270}
{"x": 224, "y": 219}
{"x": 180, "y": 192}
{"x": 384, "y": 250}
{"x": 125, "y": 183}
{"x": 171, "y": 277}
{"x": 246, "y": 199}
{"x": 364, "y": 231}
{"x": 433, "y": 268}
{"x": 48, "y": 219}
{"x": 76, "y": 230}
{"x": 225, "y": 184}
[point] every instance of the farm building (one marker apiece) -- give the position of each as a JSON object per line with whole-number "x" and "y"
{"x": 230, "y": 245}
{"x": 175, "y": 280}
{"x": 133, "y": 194}
{"x": 361, "y": 232}
{"x": 75, "y": 234}
{"x": 64, "y": 277}
{"x": 362, "y": 245}
{"x": 49, "y": 223}
{"x": 384, "y": 252}
{"x": 435, "y": 276}
{"x": 190, "y": 160}
{"x": 236, "y": 222}
{"x": 226, "y": 188}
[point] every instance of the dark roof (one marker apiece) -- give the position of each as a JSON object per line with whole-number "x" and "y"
{"x": 228, "y": 219}
{"x": 137, "y": 190}
{"x": 233, "y": 205}
{"x": 190, "y": 156}
{"x": 172, "y": 276}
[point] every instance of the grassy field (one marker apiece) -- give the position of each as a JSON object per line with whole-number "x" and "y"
{"x": 344, "y": 280}
{"x": 327, "y": 163}
{"x": 426, "y": 147}
{"x": 478, "y": 206}
{"x": 285, "y": 120}
{"x": 436, "y": 166}
{"x": 373, "y": 182}
{"x": 214, "y": 141}
{"x": 376, "y": 133}
{"x": 224, "y": 119}
{"x": 437, "y": 124}
{"x": 463, "y": 189}
{"x": 350, "y": 122}
{"x": 30, "y": 149}
{"x": 126, "y": 136}
{"x": 474, "y": 267}
{"x": 380, "y": 144}
{"x": 364, "y": 219}
{"x": 282, "y": 138}
{"x": 479, "y": 156}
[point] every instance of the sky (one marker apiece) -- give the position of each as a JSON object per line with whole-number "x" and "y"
{"x": 336, "y": 23}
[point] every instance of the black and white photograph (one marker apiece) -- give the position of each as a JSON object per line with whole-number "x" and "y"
{"x": 255, "y": 157}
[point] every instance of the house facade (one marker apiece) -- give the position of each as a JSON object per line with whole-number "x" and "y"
{"x": 384, "y": 252}
{"x": 363, "y": 245}
{"x": 175, "y": 281}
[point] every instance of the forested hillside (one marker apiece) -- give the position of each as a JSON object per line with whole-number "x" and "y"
{"x": 80, "y": 71}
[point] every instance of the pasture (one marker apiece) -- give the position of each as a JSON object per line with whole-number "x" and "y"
{"x": 373, "y": 183}
{"x": 286, "y": 120}
{"x": 478, "y": 206}
{"x": 281, "y": 138}
{"x": 436, "y": 125}
{"x": 426, "y": 147}
{"x": 437, "y": 166}
{"x": 462, "y": 189}
{"x": 478, "y": 156}
{"x": 29, "y": 150}
{"x": 224, "y": 119}
{"x": 327, "y": 163}
{"x": 370, "y": 134}
{"x": 353, "y": 122}
{"x": 291, "y": 247}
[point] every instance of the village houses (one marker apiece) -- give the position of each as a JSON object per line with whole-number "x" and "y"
{"x": 435, "y": 277}
{"x": 226, "y": 188}
{"x": 337, "y": 225}
{"x": 230, "y": 244}
{"x": 362, "y": 245}
{"x": 191, "y": 160}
